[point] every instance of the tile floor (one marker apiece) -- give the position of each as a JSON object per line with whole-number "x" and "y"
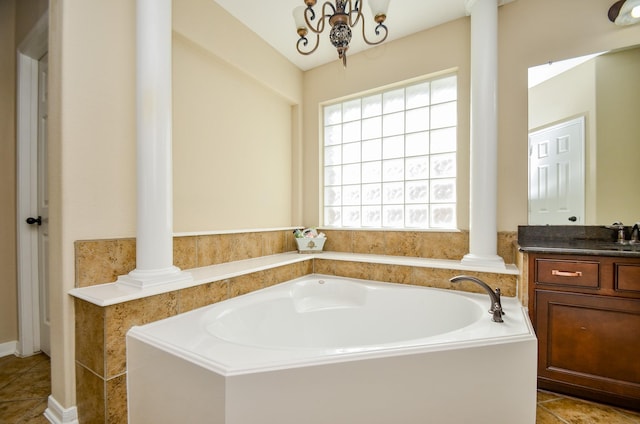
{"x": 25, "y": 386}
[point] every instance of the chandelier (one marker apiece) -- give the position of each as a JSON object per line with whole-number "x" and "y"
{"x": 625, "y": 12}
{"x": 342, "y": 16}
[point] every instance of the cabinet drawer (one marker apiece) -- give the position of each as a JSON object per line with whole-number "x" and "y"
{"x": 627, "y": 277}
{"x": 568, "y": 273}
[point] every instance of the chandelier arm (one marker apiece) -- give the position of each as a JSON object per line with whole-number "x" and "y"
{"x": 304, "y": 41}
{"x": 321, "y": 22}
{"x": 377, "y": 31}
{"x": 355, "y": 9}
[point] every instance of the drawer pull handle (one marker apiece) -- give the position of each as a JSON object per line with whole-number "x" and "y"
{"x": 566, "y": 273}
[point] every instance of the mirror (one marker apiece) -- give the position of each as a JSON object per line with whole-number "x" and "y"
{"x": 595, "y": 99}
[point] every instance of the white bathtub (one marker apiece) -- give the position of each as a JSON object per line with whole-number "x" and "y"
{"x": 322, "y": 350}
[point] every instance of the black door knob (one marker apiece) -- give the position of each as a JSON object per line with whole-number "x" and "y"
{"x": 32, "y": 221}
{"x": 573, "y": 219}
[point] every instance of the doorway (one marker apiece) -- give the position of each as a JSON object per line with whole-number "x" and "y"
{"x": 32, "y": 198}
{"x": 556, "y": 174}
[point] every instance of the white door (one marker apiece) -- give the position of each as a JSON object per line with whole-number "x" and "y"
{"x": 43, "y": 204}
{"x": 556, "y": 174}
{"x": 32, "y": 197}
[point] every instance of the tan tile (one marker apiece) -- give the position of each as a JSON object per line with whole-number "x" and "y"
{"x": 339, "y": 241}
{"x": 102, "y": 261}
{"x": 184, "y": 252}
{"x": 273, "y": 242}
{"x": 545, "y": 417}
{"x": 203, "y": 295}
{"x": 397, "y": 274}
{"x": 368, "y": 242}
{"x": 14, "y": 412}
{"x": 632, "y": 415}
{"x": 90, "y": 396}
{"x": 244, "y": 246}
{"x": 246, "y": 283}
{"x": 11, "y": 365}
{"x": 544, "y": 396}
{"x": 376, "y": 272}
{"x": 290, "y": 244}
{"x": 33, "y": 384}
{"x": 402, "y": 243}
{"x": 442, "y": 245}
{"x": 89, "y": 335}
{"x": 306, "y": 267}
{"x": 575, "y": 411}
{"x": 505, "y": 245}
{"x": 117, "y": 399}
{"x": 206, "y": 250}
{"x": 121, "y": 317}
{"x": 351, "y": 269}
{"x": 34, "y": 415}
{"x": 282, "y": 273}
{"x": 322, "y": 266}
{"x": 432, "y": 277}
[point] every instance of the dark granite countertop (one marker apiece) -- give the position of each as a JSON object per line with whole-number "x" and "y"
{"x": 574, "y": 240}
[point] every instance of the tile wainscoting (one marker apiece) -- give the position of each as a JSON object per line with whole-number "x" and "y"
{"x": 100, "y": 329}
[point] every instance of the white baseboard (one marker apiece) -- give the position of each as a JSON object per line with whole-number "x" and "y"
{"x": 57, "y": 414}
{"x": 8, "y": 348}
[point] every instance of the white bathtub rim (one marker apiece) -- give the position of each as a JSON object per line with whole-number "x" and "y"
{"x": 226, "y": 370}
{"x": 516, "y": 328}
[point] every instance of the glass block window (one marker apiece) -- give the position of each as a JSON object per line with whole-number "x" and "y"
{"x": 390, "y": 158}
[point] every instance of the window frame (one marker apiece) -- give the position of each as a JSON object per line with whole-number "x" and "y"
{"x": 430, "y": 205}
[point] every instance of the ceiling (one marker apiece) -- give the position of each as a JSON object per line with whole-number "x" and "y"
{"x": 272, "y": 20}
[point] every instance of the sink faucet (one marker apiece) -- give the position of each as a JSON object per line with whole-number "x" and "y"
{"x": 635, "y": 233}
{"x": 496, "y": 306}
{"x": 619, "y": 227}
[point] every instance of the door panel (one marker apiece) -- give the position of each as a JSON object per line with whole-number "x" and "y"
{"x": 556, "y": 174}
{"x": 43, "y": 205}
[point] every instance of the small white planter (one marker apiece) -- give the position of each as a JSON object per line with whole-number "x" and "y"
{"x": 310, "y": 245}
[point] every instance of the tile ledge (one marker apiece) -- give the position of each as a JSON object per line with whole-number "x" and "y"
{"x": 113, "y": 293}
{"x": 510, "y": 269}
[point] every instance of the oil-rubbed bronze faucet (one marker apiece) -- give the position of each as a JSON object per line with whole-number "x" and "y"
{"x": 635, "y": 233}
{"x": 496, "y": 306}
{"x": 619, "y": 227}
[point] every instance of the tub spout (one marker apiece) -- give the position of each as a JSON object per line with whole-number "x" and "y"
{"x": 496, "y": 305}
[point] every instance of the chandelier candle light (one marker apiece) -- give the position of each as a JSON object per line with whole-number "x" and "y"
{"x": 625, "y": 12}
{"x": 342, "y": 16}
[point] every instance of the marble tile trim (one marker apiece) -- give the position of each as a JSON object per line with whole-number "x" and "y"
{"x": 102, "y": 261}
{"x": 426, "y": 277}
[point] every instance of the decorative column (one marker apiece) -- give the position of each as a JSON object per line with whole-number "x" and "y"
{"x": 483, "y": 242}
{"x": 154, "y": 237}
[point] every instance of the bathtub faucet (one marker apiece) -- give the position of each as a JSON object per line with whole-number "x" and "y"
{"x": 496, "y": 306}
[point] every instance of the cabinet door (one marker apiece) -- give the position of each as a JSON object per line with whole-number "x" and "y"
{"x": 589, "y": 342}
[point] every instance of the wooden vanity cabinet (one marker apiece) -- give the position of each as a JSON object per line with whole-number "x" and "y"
{"x": 586, "y": 312}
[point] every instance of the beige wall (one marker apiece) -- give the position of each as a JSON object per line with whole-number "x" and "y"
{"x": 8, "y": 300}
{"x": 618, "y": 135}
{"x": 231, "y": 146}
